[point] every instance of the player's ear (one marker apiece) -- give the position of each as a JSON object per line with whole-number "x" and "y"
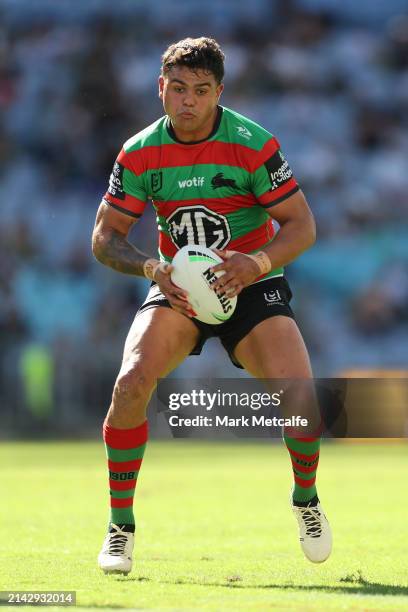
{"x": 220, "y": 89}
{"x": 161, "y": 85}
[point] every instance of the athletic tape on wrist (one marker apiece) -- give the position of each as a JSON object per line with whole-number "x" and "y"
{"x": 263, "y": 261}
{"x": 150, "y": 268}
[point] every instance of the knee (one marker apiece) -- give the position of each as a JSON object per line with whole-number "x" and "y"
{"x": 300, "y": 399}
{"x": 133, "y": 385}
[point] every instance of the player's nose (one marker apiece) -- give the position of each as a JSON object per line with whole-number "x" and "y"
{"x": 188, "y": 100}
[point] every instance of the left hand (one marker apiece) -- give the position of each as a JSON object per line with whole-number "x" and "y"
{"x": 240, "y": 271}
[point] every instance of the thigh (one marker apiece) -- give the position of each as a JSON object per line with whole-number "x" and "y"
{"x": 159, "y": 339}
{"x": 274, "y": 349}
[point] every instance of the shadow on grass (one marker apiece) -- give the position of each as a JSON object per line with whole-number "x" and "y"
{"x": 354, "y": 584}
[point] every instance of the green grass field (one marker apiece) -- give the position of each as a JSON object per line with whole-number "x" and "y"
{"x": 214, "y": 527}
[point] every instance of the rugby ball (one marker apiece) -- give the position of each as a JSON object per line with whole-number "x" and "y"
{"x": 192, "y": 272}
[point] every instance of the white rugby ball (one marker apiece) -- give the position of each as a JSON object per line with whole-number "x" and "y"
{"x": 192, "y": 265}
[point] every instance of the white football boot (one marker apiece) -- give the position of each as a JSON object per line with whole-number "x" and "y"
{"x": 116, "y": 554}
{"x": 314, "y": 532}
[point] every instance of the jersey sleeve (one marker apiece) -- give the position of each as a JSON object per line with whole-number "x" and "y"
{"x": 272, "y": 179}
{"x": 126, "y": 191}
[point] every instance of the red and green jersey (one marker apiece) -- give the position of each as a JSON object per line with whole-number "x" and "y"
{"x": 214, "y": 192}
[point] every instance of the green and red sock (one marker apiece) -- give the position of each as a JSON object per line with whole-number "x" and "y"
{"x": 124, "y": 449}
{"x": 304, "y": 453}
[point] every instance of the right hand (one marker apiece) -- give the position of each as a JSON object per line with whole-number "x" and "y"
{"x": 177, "y": 297}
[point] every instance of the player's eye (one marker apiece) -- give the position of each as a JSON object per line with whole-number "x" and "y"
{"x": 179, "y": 89}
{"x": 201, "y": 92}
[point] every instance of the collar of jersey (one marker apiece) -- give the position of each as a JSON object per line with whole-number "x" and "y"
{"x": 217, "y": 122}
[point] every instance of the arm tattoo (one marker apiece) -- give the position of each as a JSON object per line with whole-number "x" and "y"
{"x": 117, "y": 253}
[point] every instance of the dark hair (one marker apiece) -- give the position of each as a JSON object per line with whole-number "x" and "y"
{"x": 197, "y": 54}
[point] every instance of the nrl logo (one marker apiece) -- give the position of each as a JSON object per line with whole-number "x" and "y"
{"x": 243, "y": 131}
{"x": 273, "y": 297}
{"x": 156, "y": 181}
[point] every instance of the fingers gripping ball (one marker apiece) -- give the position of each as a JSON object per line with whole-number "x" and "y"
{"x": 192, "y": 272}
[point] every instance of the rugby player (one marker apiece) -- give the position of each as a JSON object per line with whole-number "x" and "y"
{"x": 217, "y": 179}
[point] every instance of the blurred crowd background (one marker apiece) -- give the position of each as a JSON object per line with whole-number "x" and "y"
{"x": 329, "y": 78}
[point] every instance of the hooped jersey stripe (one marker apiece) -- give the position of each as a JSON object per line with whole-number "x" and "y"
{"x": 214, "y": 192}
{"x": 223, "y": 206}
{"x": 279, "y": 195}
{"x": 215, "y": 152}
{"x": 126, "y": 207}
{"x": 252, "y": 241}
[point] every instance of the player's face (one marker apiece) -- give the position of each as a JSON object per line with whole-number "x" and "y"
{"x": 190, "y": 100}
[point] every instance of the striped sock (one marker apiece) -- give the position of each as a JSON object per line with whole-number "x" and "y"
{"x": 124, "y": 450}
{"x": 304, "y": 453}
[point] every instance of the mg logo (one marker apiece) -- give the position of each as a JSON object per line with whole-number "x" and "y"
{"x": 198, "y": 225}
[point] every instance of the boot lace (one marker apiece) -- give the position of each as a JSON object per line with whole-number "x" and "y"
{"x": 116, "y": 541}
{"x": 312, "y": 520}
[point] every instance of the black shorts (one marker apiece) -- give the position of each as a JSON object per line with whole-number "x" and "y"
{"x": 255, "y": 303}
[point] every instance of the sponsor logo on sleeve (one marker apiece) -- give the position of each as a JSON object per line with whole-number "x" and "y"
{"x": 278, "y": 170}
{"x": 244, "y": 132}
{"x": 116, "y": 182}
